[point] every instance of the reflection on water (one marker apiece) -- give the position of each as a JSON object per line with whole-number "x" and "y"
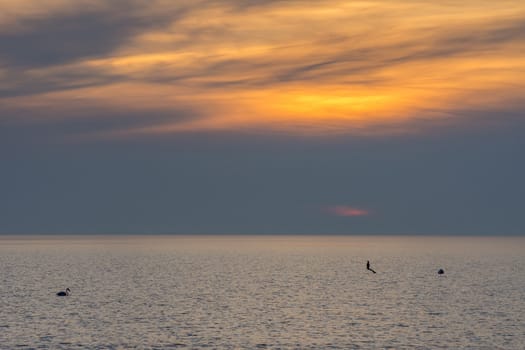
{"x": 262, "y": 292}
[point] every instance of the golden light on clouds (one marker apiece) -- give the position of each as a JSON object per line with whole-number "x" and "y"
{"x": 300, "y": 67}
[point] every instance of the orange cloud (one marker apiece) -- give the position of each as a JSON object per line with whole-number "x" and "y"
{"x": 336, "y": 67}
{"x": 343, "y": 210}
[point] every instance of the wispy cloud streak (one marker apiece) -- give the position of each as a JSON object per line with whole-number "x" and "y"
{"x": 333, "y": 67}
{"x": 344, "y": 210}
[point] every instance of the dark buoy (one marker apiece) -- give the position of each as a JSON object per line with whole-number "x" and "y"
{"x": 64, "y": 293}
{"x": 441, "y": 271}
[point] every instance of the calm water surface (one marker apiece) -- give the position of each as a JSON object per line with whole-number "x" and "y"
{"x": 235, "y": 292}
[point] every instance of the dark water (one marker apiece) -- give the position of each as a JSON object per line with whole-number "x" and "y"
{"x": 235, "y": 292}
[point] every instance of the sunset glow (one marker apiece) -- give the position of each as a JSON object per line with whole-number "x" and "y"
{"x": 344, "y": 210}
{"x": 333, "y": 67}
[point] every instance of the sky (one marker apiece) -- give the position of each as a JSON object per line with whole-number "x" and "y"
{"x": 262, "y": 117}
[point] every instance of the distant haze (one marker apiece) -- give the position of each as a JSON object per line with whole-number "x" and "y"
{"x": 262, "y": 117}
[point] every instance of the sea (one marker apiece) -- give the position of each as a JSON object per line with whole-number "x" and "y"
{"x": 262, "y": 292}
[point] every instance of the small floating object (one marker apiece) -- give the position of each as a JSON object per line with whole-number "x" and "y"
{"x": 64, "y": 293}
{"x": 441, "y": 271}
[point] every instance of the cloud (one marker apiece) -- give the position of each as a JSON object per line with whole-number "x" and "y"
{"x": 65, "y": 37}
{"x": 288, "y": 66}
{"x": 344, "y": 210}
{"x": 80, "y": 123}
